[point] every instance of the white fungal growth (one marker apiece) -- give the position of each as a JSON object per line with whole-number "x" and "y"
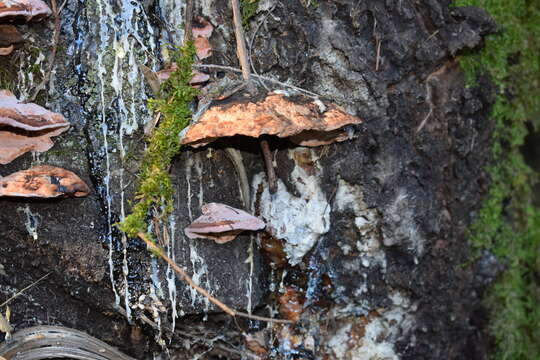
{"x": 170, "y": 274}
{"x": 380, "y": 334}
{"x": 401, "y": 225}
{"x": 351, "y": 197}
{"x": 299, "y": 220}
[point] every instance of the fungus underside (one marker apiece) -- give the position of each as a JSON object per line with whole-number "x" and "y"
{"x": 508, "y": 223}
{"x": 155, "y": 190}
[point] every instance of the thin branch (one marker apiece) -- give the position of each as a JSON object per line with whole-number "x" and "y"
{"x": 246, "y": 74}
{"x": 250, "y": 46}
{"x": 24, "y": 289}
{"x": 186, "y": 278}
{"x": 265, "y": 78}
{"x": 272, "y": 180}
{"x": 241, "y": 44}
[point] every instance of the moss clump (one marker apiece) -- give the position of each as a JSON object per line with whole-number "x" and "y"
{"x": 508, "y": 224}
{"x": 155, "y": 189}
{"x": 248, "y": 9}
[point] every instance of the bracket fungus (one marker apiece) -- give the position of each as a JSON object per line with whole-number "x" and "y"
{"x": 26, "y": 127}
{"x": 43, "y": 181}
{"x": 28, "y": 10}
{"x": 9, "y": 36}
{"x": 222, "y": 223}
{"x": 304, "y": 123}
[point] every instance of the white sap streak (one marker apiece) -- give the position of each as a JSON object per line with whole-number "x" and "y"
{"x": 199, "y": 267}
{"x": 104, "y": 42}
{"x": 251, "y": 268}
{"x": 25, "y": 78}
{"x": 189, "y": 164}
{"x": 171, "y": 277}
{"x": 173, "y": 16}
{"x": 32, "y": 221}
{"x": 155, "y": 293}
{"x": 203, "y": 268}
{"x": 120, "y": 45}
{"x": 199, "y": 170}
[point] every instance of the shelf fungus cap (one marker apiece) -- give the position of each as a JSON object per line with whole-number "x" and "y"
{"x": 222, "y": 223}
{"x": 25, "y": 9}
{"x": 43, "y": 181}
{"x": 304, "y": 123}
{"x": 26, "y": 127}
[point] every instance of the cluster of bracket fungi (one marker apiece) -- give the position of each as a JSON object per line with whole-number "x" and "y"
{"x": 26, "y": 127}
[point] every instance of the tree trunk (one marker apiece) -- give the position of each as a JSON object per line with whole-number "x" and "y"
{"x": 375, "y": 251}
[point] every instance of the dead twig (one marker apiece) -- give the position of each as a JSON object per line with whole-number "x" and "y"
{"x": 250, "y": 47}
{"x": 246, "y": 74}
{"x": 265, "y": 78}
{"x": 188, "y": 22}
{"x": 186, "y": 278}
{"x": 56, "y": 39}
{"x": 429, "y": 95}
{"x": 241, "y": 50}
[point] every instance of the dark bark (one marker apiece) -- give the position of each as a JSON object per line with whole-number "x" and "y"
{"x": 393, "y": 203}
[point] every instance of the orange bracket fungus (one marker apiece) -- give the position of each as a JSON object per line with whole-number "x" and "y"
{"x": 222, "y": 223}
{"x": 302, "y": 122}
{"x": 23, "y": 9}
{"x": 43, "y": 181}
{"x": 26, "y": 127}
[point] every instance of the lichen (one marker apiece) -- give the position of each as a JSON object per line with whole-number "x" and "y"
{"x": 155, "y": 190}
{"x": 508, "y": 224}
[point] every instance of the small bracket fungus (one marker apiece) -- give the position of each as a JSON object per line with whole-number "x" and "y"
{"x": 9, "y": 36}
{"x": 222, "y": 223}
{"x": 26, "y": 127}
{"x": 28, "y": 10}
{"x": 43, "y": 181}
{"x": 201, "y": 31}
{"x": 302, "y": 122}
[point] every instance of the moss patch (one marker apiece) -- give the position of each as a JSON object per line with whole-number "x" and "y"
{"x": 248, "y": 9}
{"x": 508, "y": 224}
{"x": 155, "y": 190}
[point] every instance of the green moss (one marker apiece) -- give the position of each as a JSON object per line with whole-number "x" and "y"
{"x": 248, "y": 9}
{"x": 155, "y": 189}
{"x": 6, "y": 80}
{"x": 508, "y": 224}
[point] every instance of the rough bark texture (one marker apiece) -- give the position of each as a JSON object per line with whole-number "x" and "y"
{"x": 382, "y": 259}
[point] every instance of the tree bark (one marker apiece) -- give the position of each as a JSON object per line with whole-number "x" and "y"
{"x": 381, "y": 264}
